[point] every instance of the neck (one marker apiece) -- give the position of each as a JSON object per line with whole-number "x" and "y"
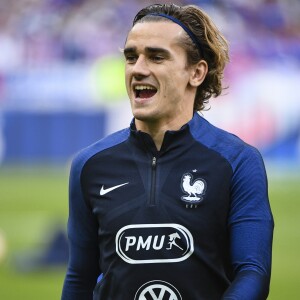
{"x": 157, "y": 129}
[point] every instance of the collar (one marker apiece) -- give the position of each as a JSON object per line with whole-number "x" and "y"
{"x": 173, "y": 139}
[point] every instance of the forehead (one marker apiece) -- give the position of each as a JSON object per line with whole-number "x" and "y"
{"x": 163, "y": 34}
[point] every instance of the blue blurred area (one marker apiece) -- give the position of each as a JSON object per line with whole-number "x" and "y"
{"x": 34, "y": 137}
{"x": 61, "y": 88}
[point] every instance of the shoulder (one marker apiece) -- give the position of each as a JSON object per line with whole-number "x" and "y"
{"x": 226, "y": 144}
{"x": 110, "y": 141}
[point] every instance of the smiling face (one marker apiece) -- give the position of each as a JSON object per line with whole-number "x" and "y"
{"x": 159, "y": 83}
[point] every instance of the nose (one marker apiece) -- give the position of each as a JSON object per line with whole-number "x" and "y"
{"x": 140, "y": 68}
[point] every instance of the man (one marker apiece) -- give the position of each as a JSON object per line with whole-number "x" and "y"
{"x": 172, "y": 207}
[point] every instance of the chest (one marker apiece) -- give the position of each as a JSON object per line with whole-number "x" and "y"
{"x": 130, "y": 189}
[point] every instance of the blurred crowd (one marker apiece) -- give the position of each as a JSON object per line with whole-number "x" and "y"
{"x": 64, "y": 55}
{"x": 43, "y": 32}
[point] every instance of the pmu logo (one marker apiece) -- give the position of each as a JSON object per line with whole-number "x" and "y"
{"x": 154, "y": 243}
{"x": 157, "y": 290}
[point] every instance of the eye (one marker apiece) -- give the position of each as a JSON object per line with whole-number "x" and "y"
{"x": 131, "y": 59}
{"x": 157, "y": 58}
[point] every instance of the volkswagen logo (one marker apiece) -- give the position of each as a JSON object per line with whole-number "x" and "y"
{"x": 157, "y": 290}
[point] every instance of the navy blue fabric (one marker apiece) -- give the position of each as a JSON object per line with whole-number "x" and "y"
{"x": 83, "y": 264}
{"x": 250, "y": 220}
{"x": 231, "y": 226}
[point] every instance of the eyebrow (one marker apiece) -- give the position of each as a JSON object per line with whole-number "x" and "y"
{"x": 148, "y": 50}
{"x": 129, "y": 50}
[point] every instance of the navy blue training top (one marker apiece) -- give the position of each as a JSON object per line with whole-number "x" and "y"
{"x": 191, "y": 221}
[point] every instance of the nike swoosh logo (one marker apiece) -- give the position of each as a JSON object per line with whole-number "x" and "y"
{"x": 104, "y": 191}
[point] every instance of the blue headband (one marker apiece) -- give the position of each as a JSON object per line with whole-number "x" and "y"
{"x": 185, "y": 28}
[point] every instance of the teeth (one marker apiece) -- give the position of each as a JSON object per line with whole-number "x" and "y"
{"x": 144, "y": 87}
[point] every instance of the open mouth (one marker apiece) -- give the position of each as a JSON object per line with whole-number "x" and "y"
{"x": 144, "y": 91}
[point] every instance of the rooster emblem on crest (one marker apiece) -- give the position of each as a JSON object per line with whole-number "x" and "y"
{"x": 194, "y": 190}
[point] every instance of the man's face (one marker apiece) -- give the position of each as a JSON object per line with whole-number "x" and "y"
{"x": 156, "y": 73}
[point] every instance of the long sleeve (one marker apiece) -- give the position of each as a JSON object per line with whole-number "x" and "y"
{"x": 83, "y": 266}
{"x": 251, "y": 230}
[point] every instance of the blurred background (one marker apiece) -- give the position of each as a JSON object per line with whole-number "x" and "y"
{"x": 62, "y": 88}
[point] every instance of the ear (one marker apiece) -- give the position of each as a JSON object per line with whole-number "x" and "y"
{"x": 198, "y": 73}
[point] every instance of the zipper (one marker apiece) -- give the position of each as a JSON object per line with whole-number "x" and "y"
{"x": 153, "y": 181}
